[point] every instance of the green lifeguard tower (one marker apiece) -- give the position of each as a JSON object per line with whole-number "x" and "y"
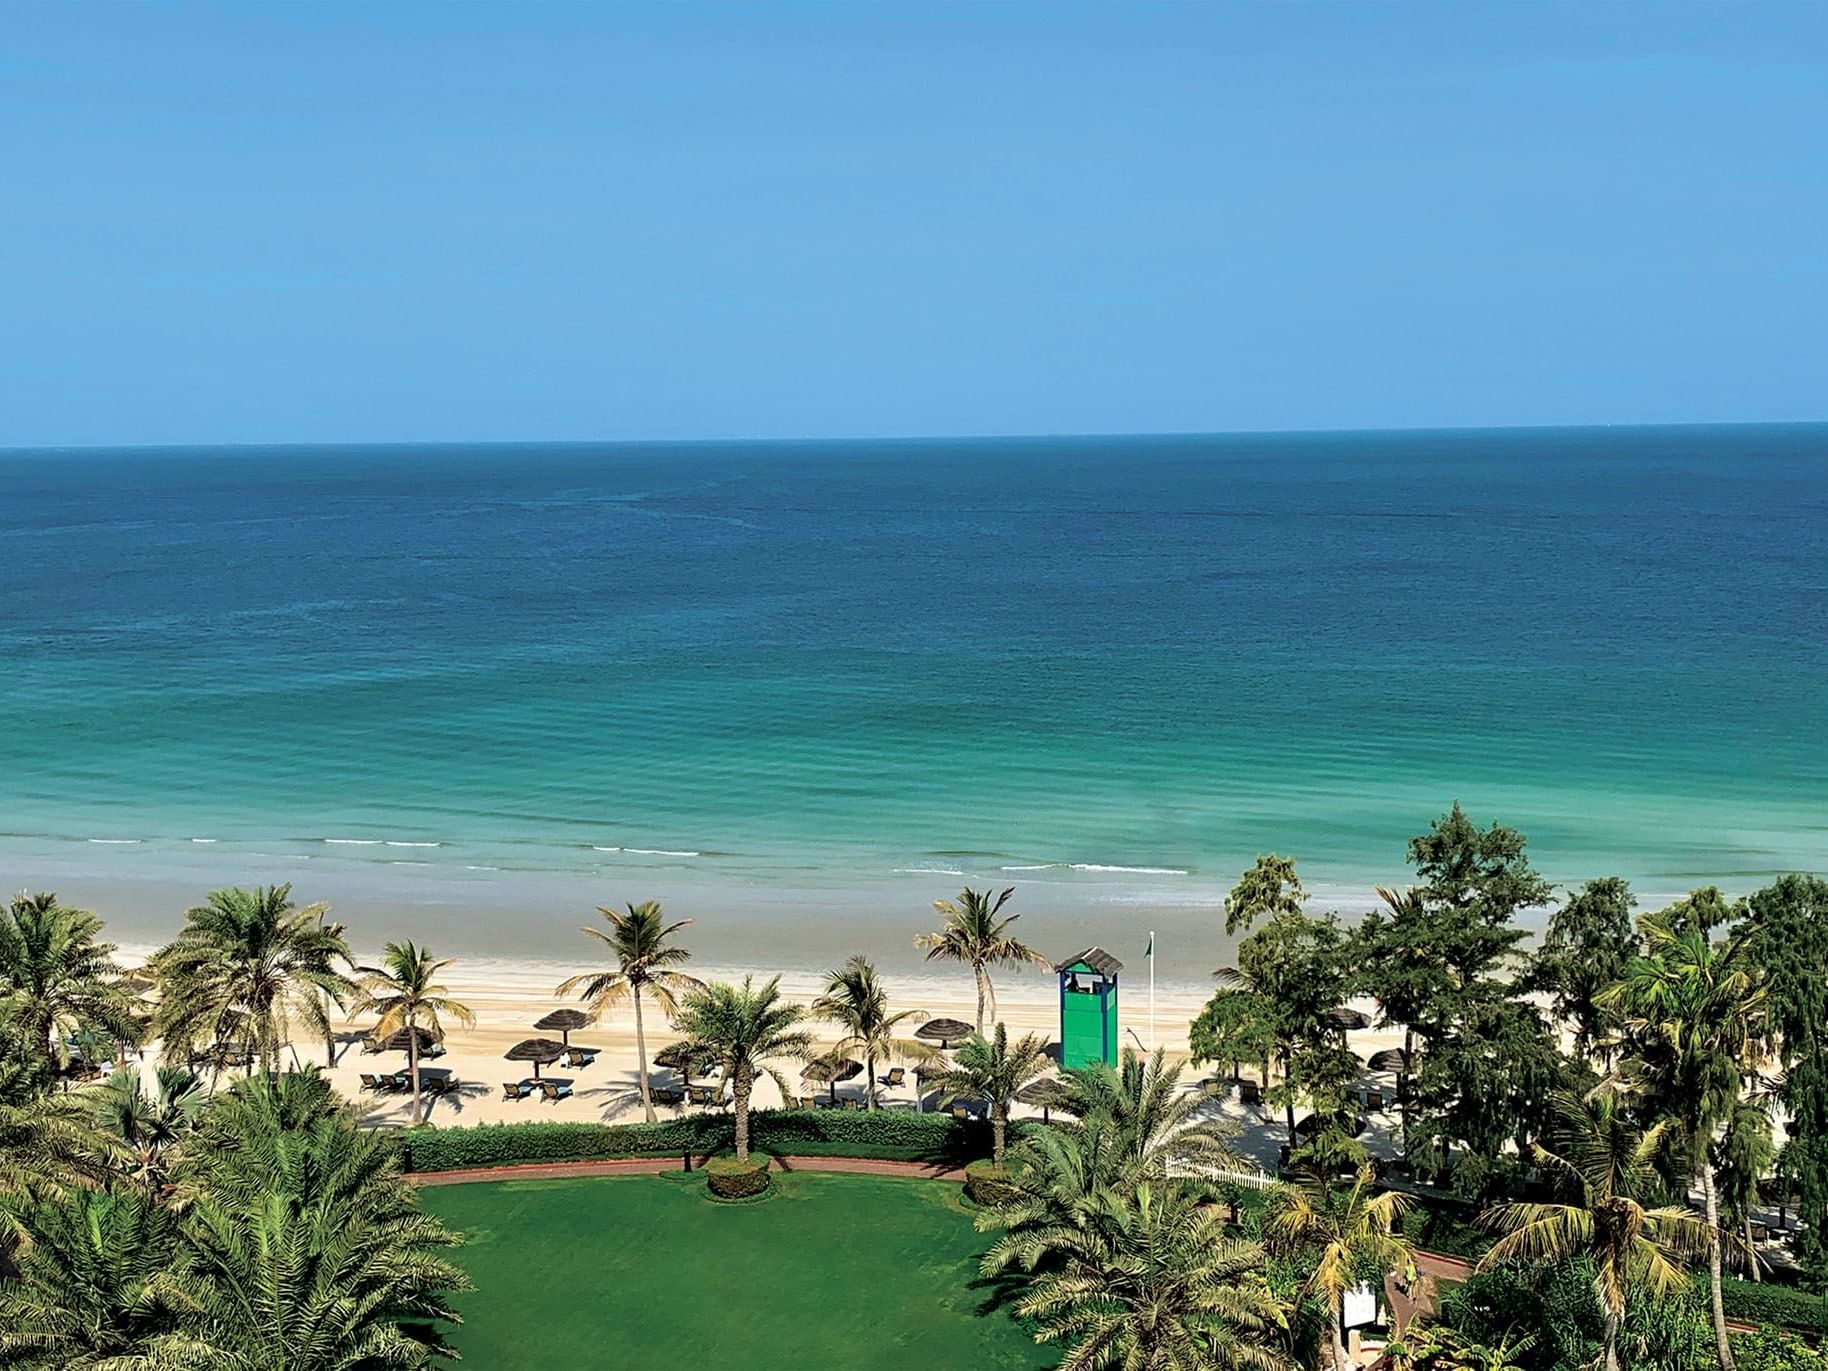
{"x": 1088, "y": 1008}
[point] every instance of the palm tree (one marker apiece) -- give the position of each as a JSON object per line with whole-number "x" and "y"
{"x": 1696, "y": 1018}
{"x": 246, "y": 963}
{"x": 644, "y": 962}
{"x": 303, "y": 1247}
{"x": 93, "y": 1283}
{"x": 147, "y": 1126}
{"x": 1610, "y": 1169}
{"x": 994, "y": 1069}
{"x": 1153, "y": 1281}
{"x": 1148, "y": 1120}
{"x": 971, "y": 933}
{"x": 56, "y": 974}
{"x": 742, "y": 1027}
{"x": 1342, "y": 1229}
{"x": 855, "y": 1000}
{"x": 404, "y": 992}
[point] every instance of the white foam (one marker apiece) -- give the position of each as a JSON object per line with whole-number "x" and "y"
{"x": 657, "y": 852}
{"x": 595, "y": 848}
{"x": 354, "y": 842}
{"x": 467, "y": 867}
{"x": 1044, "y": 866}
{"x": 398, "y": 862}
{"x": 1130, "y": 870}
{"x": 115, "y": 842}
{"x": 203, "y": 840}
{"x": 928, "y": 871}
{"x": 392, "y": 843}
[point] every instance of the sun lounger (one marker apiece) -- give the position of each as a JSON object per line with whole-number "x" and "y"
{"x": 963, "y": 1114}
{"x": 806, "y": 1102}
{"x": 1249, "y": 1092}
{"x": 893, "y": 1078}
{"x": 667, "y": 1095}
{"x": 516, "y": 1090}
{"x": 554, "y": 1091}
{"x": 369, "y": 1081}
{"x": 849, "y": 1103}
{"x": 701, "y": 1094}
{"x": 580, "y": 1057}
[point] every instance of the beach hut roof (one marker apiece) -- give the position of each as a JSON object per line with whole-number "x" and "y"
{"x": 564, "y": 1021}
{"x": 1346, "y": 1017}
{"x": 944, "y": 1030}
{"x": 536, "y": 1050}
{"x": 1390, "y": 1059}
{"x": 397, "y": 1043}
{"x": 1095, "y": 957}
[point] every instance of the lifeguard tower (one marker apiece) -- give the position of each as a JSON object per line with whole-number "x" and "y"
{"x": 1088, "y": 1008}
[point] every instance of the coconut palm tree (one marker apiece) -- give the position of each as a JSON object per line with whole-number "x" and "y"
{"x": 855, "y": 1000}
{"x": 94, "y": 1280}
{"x": 1697, "y": 1024}
{"x": 994, "y": 1069}
{"x": 147, "y": 1125}
{"x": 644, "y": 963}
{"x": 56, "y": 974}
{"x": 970, "y": 932}
{"x": 1608, "y": 1168}
{"x": 1153, "y": 1281}
{"x": 1340, "y": 1229}
{"x": 404, "y": 991}
{"x": 246, "y": 963}
{"x": 743, "y": 1027}
{"x": 1149, "y": 1120}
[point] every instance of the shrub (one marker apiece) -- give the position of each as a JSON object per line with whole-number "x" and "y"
{"x": 1770, "y": 1350}
{"x": 730, "y": 1179}
{"x": 988, "y": 1183}
{"x": 896, "y": 1135}
{"x": 1765, "y": 1302}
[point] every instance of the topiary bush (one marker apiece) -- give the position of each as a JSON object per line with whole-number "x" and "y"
{"x": 895, "y": 1135}
{"x": 988, "y": 1183}
{"x": 729, "y": 1179}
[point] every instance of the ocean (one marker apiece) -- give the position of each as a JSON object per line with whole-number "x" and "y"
{"x": 799, "y": 690}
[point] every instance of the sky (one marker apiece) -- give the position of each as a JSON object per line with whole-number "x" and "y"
{"x": 341, "y": 222}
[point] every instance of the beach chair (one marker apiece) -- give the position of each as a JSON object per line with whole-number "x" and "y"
{"x": 516, "y": 1090}
{"x": 892, "y": 1078}
{"x": 806, "y": 1102}
{"x": 1249, "y": 1092}
{"x": 369, "y": 1081}
{"x": 554, "y": 1091}
{"x": 666, "y": 1094}
{"x": 1760, "y": 1232}
{"x": 580, "y": 1057}
{"x": 962, "y": 1114}
{"x": 851, "y": 1103}
{"x": 701, "y": 1095}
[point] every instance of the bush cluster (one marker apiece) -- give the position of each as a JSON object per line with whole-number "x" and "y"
{"x": 730, "y": 1179}
{"x": 988, "y": 1183}
{"x": 1764, "y": 1302}
{"x": 896, "y": 1135}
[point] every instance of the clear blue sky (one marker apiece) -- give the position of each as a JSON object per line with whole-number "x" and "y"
{"x": 339, "y": 222}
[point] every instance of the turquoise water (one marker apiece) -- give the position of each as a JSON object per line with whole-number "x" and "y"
{"x": 838, "y": 679}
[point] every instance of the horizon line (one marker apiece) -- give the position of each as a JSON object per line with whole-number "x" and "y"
{"x": 1010, "y": 437}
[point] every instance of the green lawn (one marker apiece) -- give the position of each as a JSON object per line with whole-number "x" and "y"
{"x": 831, "y": 1273}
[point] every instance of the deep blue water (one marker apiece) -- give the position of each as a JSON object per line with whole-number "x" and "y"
{"x": 860, "y": 672}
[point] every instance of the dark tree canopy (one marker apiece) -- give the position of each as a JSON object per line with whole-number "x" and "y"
{"x": 1589, "y": 942}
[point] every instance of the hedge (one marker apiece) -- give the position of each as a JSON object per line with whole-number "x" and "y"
{"x": 989, "y": 1184}
{"x": 1766, "y": 1302}
{"x": 893, "y": 1135}
{"x": 730, "y": 1179}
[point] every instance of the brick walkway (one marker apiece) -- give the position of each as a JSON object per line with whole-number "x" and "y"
{"x": 647, "y": 1166}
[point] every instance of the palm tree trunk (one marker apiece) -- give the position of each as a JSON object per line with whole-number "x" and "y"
{"x": 647, "y": 1097}
{"x": 983, "y": 983}
{"x": 999, "y": 1128}
{"x": 1757, "y": 1274}
{"x": 1722, "y": 1347}
{"x": 1612, "y": 1341}
{"x": 869, "y": 1076}
{"x": 412, "y": 1061}
{"x": 1342, "y": 1360}
{"x": 742, "y": 1079}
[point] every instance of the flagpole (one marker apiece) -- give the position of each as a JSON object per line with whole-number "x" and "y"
{"x": 1154, "y": 1042}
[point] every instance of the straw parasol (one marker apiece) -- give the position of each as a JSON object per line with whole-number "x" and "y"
{"x": 1348, "y": 1019}
{"x": 1390, "y": 1059}
{"x": 399, "y": 1041}
{"x": 1045, "y": 1093}
{"x": 682, "y": 1057}
{"x": 539, "y": 1051}
{"x": 945, "y": 1032}
{"x": 563, "y": 1022}
{"x": 829, "y": 1071}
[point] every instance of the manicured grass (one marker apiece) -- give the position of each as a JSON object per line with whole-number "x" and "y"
{"x": 829, "y": 1273}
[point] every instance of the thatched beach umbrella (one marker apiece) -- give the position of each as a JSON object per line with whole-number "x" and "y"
{"x": 1045, "y": 1093}
{"x": 399, "y": 1042}
{"x": 539, "y": 1051}
{"x": 681, "y": 1057}
{"x": 563, "y": 1022}
{"x": 1390, "y": 1059}
{"x": 945, "y": 1032}
{"x": 829, "y": 1071}
{"x": 1347, "y": 1019}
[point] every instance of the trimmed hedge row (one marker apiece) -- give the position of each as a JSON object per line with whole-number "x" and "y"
{"x": 1765, "y": 1302}
{"x": 989, "y": 1184}
{"x": 893, "y": 1135}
